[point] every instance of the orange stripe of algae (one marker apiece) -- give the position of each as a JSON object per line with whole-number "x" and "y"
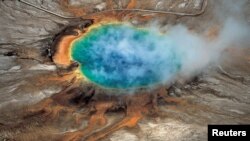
{"x": 62, "y": 56}
{"x": 63, "y": 53}
{"x": 132, "y": 4}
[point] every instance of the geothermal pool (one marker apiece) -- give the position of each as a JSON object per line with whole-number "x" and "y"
{"x": 122, "y": 56}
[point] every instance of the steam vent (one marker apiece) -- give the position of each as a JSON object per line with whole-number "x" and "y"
{"x": 124, "y": 70}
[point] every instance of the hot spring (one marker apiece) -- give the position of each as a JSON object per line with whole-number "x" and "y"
{"x": 124, "y": 57}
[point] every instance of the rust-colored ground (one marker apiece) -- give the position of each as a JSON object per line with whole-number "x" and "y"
{"x": 62, "y": 56}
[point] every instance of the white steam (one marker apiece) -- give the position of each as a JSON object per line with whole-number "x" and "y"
{"x": 198, "y": 50}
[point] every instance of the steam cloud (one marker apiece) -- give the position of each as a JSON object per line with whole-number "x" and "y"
{"x": 199, "y": 51}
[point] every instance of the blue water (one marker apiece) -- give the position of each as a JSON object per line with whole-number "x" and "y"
{"x": 121, "y": 56}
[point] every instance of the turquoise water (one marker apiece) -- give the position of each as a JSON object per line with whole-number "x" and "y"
{"x": 121, "y": 56}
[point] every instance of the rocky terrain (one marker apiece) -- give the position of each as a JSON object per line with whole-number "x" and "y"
{"x": 220, "y": 94}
